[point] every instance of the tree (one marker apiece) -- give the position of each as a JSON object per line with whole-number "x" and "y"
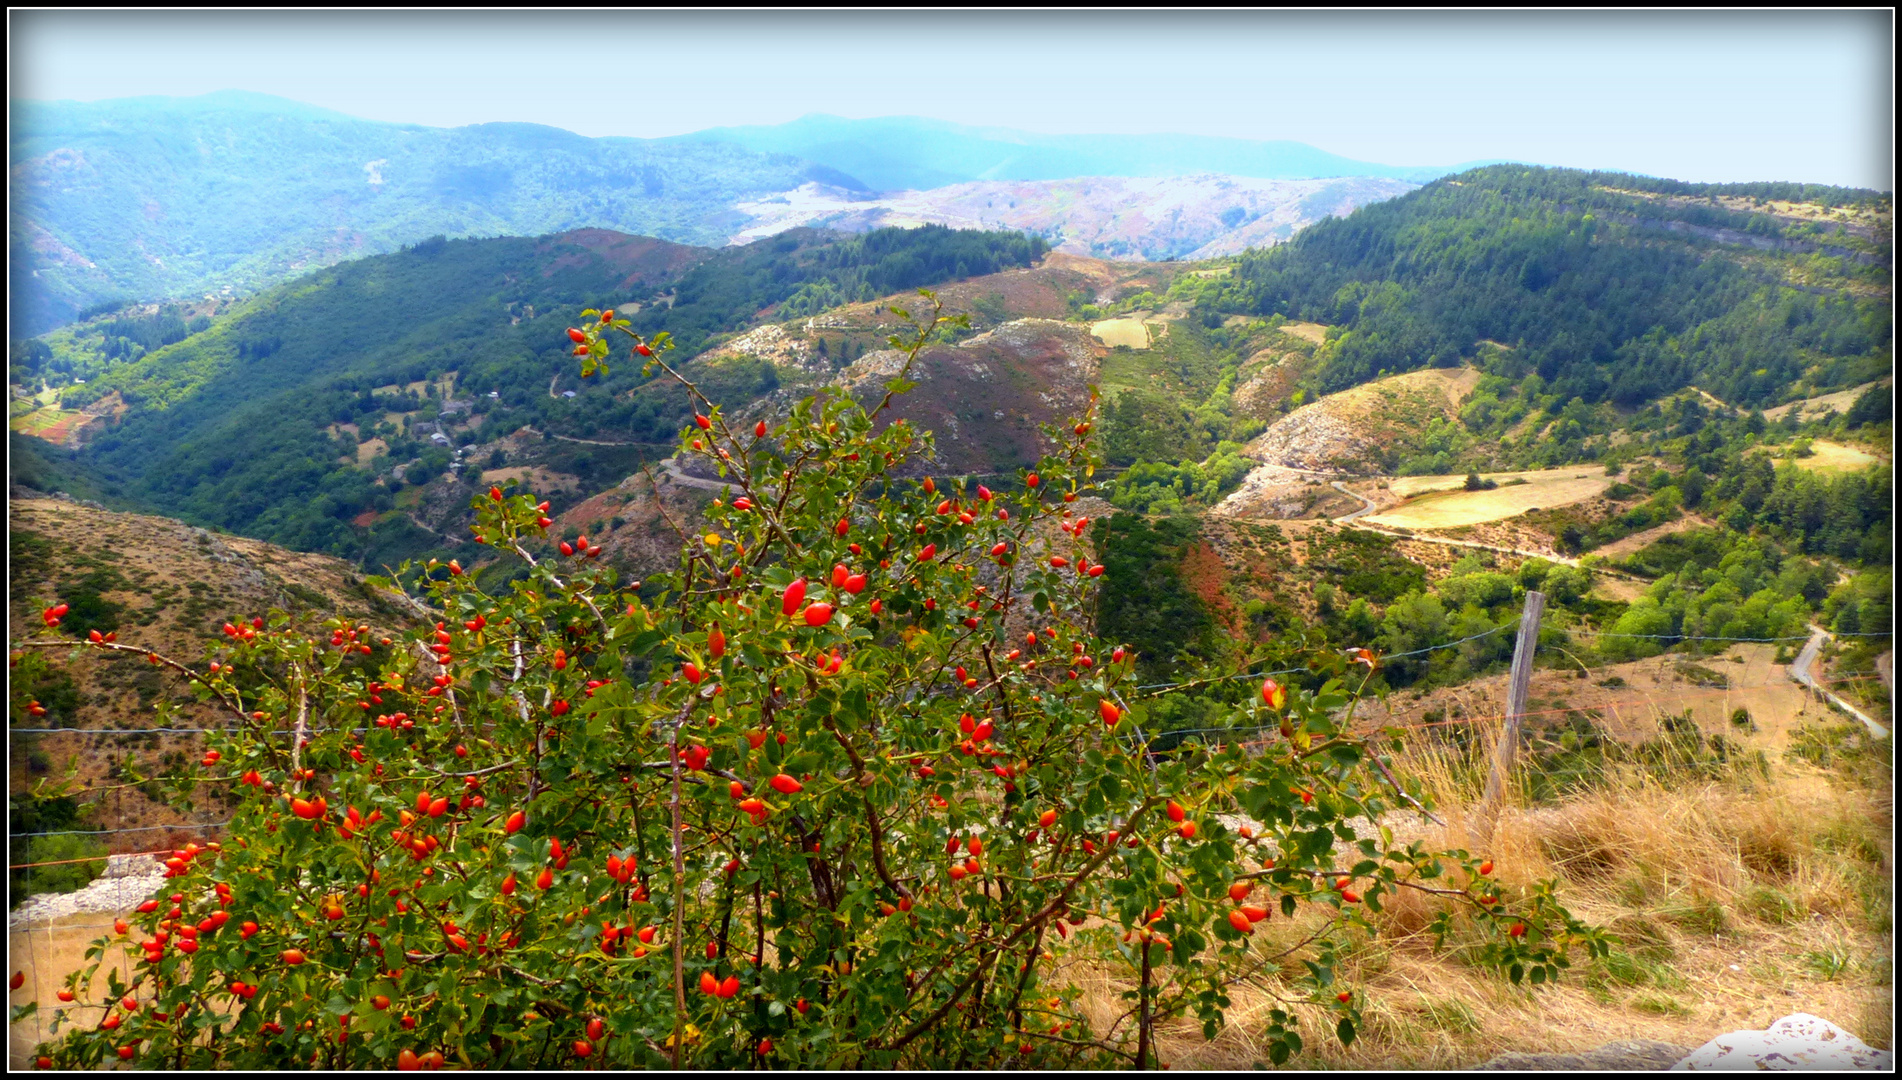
{"x": 839, "y": 790}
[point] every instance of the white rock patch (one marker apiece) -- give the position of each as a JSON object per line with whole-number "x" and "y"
{"x": 127, "y": 882}
{"x": 1798, "y": 1042}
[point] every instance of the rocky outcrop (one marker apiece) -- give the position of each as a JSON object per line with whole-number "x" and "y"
{"x": 127, "y": 881}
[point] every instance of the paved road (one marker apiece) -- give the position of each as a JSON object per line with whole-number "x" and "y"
{"x": 1800, "y": 673}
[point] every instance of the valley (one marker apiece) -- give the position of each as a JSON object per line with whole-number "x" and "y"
{"x": 1382, "y": 433}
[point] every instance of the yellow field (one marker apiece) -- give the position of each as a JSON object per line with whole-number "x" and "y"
{"x": 1408, "y": 486}
{"x": 1433, "y": 507}
{"x": 1306, "y": 331}
{"x": 368, "y": 449}
{"x": 1834, "y": 457}
{"x": 1114, "y": 332}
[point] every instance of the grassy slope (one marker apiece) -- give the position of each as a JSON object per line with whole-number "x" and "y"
{"x": 164, "y": 586}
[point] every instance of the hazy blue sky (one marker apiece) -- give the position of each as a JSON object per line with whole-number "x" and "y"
{"x": 1696, "y": 96}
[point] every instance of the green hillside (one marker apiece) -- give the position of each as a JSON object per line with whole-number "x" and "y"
{"x": 150, "y": 198}
{"x": 254, "y": 423}
{"x": 1610, "y": 287}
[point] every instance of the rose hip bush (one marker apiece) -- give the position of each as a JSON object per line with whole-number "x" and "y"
{"x": 845, "y": 788}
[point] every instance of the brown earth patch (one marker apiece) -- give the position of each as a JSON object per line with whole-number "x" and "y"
{"x": 983, "y": 399}
{"x": 640, "y": 258}
{"x": 1357, "y": 430}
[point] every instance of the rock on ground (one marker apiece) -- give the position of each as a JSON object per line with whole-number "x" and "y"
{"x": 127, "y": 882}
{"x": 1798, "y": 1042}
{"x": 1629, "y": 1054}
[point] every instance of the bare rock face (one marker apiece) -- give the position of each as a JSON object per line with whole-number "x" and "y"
{"x": 1272, "y": 492}
{"x": 1798, "y": 1042}
{"x": 1625, "y": 1054}
{"x": 1313, "y": 437}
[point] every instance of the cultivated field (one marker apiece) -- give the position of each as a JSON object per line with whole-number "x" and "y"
{"x": 40, "y": 420}
{"x": 1113, "y": 332}
{"x": 1406, "y": 487}
{"x": 1430, "y": 506}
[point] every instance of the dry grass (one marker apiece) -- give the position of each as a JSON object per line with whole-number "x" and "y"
{"x": 1451, "y": 509}
{"x": 1306, "y": 331}
{"x": 1408, "y": 486}
{"x": 1113, "y": 332}
{"x": 1833, "y": 457}
{"x": 534, "y": 477}
{"x": 1737, "y": 902}
{"x": 47, "y": 954}
{"x": 1840, "y": 401}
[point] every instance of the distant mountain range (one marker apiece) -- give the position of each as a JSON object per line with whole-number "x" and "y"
{"x": 1157, "y": 218}
{"x": 161, "y": 198}
{"x": 150, "y": 198}
{"x": 913, "y": 153}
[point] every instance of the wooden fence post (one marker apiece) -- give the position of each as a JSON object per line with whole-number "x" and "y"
{"x": 1517, "y": 690}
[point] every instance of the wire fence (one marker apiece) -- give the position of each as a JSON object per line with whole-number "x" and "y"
{"x": 1151, "y": 690}
{"x": 51, "y": 937}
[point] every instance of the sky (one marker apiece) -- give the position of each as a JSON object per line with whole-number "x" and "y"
{"x": 1700, "y": 95}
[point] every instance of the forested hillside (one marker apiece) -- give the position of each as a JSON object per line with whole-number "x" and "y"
{"x": 1610, "y": 287}
{"x": 150, "y": 198}
{"x": 259, "y": 422}
{"x": 1631, "y": 327}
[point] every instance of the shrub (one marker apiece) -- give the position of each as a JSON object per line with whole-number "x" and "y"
{"x": 63, "y": 874}
{"x": 876, "y": 778}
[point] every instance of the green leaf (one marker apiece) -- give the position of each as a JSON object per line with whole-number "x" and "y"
{"x": 1345, "y": 1030}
